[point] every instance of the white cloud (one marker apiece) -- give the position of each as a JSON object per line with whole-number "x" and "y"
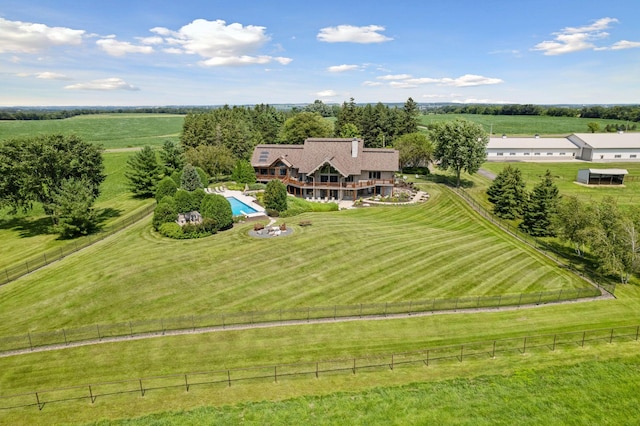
{"x": 404, "y": 81}
{"x": 112, "y": 83}
{"x": 218, "y": 43}
{"x": 350, "y": 34}
{"x": 27, "y": 37}
{"x": 120, "y": 48}
{"x": 625, "y": 44}
{"x": 343, "y": 68}
{"x": 390, "y": 77}
{"x": 52, "y": 76}
{"x": 372, "y": 83}
{"x": 150, "y": 40}
{"x": 575, "y": 39}
{"x": 326, "y": 93}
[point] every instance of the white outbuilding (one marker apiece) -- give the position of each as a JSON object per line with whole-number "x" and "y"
{"x": 607, "y": 146}
{"x": 602, "y": 176}
{"x": 533, "y": 149}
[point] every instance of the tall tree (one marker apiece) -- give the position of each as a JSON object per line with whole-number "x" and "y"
{"x": 73, "y": 211}
{"x": 460, "y": 146}
{"x": 143, "y": 172}
{"x": 415, "y": 150}
{"x": 190, "y": 180}
{"x": 33, "y": 169}
{"x": 275, "y": 196}
{"x": 410, "y": 114}
{"x": 243, "y": 172}
{"x": 537, "y": 219}
{"x": 172, "y": 157}
{"x": 216, "y": 160}
{"x": 349, "y": 113}
{"x": 305, "y": 125}
{"x": 508, "y": 193}
{"x": 573, "y": 222}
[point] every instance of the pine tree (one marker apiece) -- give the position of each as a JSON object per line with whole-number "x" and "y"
{"x": 410, "y": 113}
{"x": 144, "y": 172}
{"x": 508, "y": 193}
{"x": 73, "y": 211}
{"x": 190, "y": 179}
{"x": 540, "y": 208}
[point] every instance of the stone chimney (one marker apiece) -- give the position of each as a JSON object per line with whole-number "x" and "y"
{"x": 354, "y": 148}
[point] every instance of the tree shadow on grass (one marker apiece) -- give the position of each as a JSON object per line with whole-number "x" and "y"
{"x": 27, "y": 227}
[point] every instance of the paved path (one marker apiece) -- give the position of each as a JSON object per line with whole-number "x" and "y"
{"x": 486, "y": 173}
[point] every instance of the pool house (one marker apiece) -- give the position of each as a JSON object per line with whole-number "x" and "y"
{"x": 328, "y": 168}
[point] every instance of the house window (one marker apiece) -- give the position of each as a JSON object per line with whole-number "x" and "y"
{"x": 527, "y": 153}
{"x": 374, "y": 175}
{"x": 333, "y": 178}
{"x": 500, "y": 153}
{"x": 563, "y": 153}
{"x": 617, "y": 156}
{"x": 263, "y": 171}
{"x": 283, "y": 172}
{"x": 549, "y": 153}
{"x": 349, "y": 178}
{"x": 512, "y": 153}
{"x": 633, "y": 156}
{"x": 536, "y": 153}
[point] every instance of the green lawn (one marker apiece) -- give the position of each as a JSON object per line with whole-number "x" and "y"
{"x": 25, "y": 235}
{"x": 373, "y": 255}
{"x": 109, "y": 130}
{"x": 516, "y": 125}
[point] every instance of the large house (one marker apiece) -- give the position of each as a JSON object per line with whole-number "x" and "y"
{"x": 328, "y": 168}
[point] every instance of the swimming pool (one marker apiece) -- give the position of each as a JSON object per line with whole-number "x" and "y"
{"x": 239, "y": 208}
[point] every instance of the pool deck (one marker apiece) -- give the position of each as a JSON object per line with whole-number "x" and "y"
{"x": 238, "y": 195}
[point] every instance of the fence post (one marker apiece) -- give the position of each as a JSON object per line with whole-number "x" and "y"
{"x": 38, "y": 401}
{"x": 229, "y": 377}
{"x": 461, "y": 350}
{"x": 427, "y": 357}
{"x": 559, "y": 295}
{"x": 637, "y": 332}
{"x": 162, "y": 325}
{"x": 361, "y": 310}
{"x": 193, "y": 324}
{"x": 335, "y": 308}
{"x": 222, "y": 320}
{"x": 611, "y": 337}
{"x": 141, "y": 388}
{"x": 98, "y": 327}
{"x": 524, "y": 346}
{"x": 316, "y": 369}
{"x": 584, "y": 333}
{"x": 554, "y": 343}
{"x": 186, "y": 383}
{"x": 386, "y": 304}
{"x": 391, "y": 362}
{"x": 65, "y": 337}
{"x": 91, "y": 395}
{"x": 27, "y": 264}
{"x": 499, "y": 300}
{"x": 539, "y": 298}
{"x": 456, "y": 307}
{"x": 354, "y": 366}
{"x": 410, "y": 306}
{"x": 308, "y": 313}
{"x": 493, "y": 355}
{"x": 520, "y": 300}
{"x": 45, "y": 258}
{"x": 130, "y": 329}
{"x": 30, "y": 343}
{"x": 275, "y": 373}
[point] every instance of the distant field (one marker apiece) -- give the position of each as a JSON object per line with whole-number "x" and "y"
{"x": 109, "y": 130}
{"x": 386, "y": 254}
{"x": 520, "y": 125}
{"x": 24, "y": 235}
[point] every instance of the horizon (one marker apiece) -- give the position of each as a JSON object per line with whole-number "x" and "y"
{"x": 129, "y": 54}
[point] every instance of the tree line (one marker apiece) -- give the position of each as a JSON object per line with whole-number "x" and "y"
{"x": 601, "y": 229}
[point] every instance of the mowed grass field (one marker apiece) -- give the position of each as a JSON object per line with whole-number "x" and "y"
{"x": 524, "y": 125}
{"x": 112, "y": 131}
{"x": 25, "y": 235}
{"x": 382, "y": 254}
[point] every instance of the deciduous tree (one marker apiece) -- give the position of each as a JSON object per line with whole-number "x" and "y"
{"x": 415, "y": 150}
{"x": 460, "y": 146}
{"x": 305, "y": 125}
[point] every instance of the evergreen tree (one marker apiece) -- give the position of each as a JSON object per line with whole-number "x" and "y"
{"x": 410, "y": 114}
{"x": 540, "y": 208}
{"x": 508, "y": 193}
{"x": 172, "y": 157}
{"x": 275, "y": 196}
{"x": 190, "y": 179}
{"x": 349, "y": 113}
{"x": 215, "y": 207}
{"x": 73, "y": 211}
{"x": 143, "y": 172}
{"x": 166, "y": 188}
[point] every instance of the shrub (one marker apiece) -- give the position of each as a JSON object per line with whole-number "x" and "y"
{"x": 165, "y": 212}
{"x": 275, "y": 196}
{"x": 215, "y": 207}
{"x": 204, "y": 177}
{"x": 243, "y": 172}
{"x": 166, "y": 187}
{"x": 183, "y": 201}
{"x": 196, "y": 198}
{"x": 190, "y": 179}
{"x": 172, "y": 230}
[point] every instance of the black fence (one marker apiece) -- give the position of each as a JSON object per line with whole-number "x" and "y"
{"x": 98, "y": 332}
{"x": 185, "y": 382}
{"x": 29, "y": 265}
{"x": 538, "y": 244}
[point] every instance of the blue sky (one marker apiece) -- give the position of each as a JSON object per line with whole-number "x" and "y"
{"x": 210, "y": 52}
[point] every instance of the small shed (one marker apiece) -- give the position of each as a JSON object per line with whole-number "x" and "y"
{"x": 602, "y": 176}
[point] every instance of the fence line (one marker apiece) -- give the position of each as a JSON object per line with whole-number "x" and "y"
{"x": 587, "y": 274}
{"x": 133, "y": 328}
{"x": 14, "y": 272}
{"x": 312, "y": 369}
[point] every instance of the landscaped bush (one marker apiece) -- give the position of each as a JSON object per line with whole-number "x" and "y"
{"x": 257, "y": 186}
{"x": 215, "y": 207}
{"x": 184, "y": 202}
{"x": 275, "y": 196}
{"x": 166, "y": 187}
{"x": 196, "y": 198}
{"x": 165, "y": 212}
{"x": 172, "y": 230}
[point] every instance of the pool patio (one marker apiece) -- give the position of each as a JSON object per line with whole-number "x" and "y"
{"x": 240, "y": 196}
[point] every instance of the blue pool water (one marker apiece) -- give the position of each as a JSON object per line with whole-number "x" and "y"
{"x": 239, "y": 208}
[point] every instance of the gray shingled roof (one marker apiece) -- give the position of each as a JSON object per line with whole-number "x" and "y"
{"x": 336, "y": 151}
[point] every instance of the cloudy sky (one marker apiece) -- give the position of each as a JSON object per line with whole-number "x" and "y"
{"x": 213, "y": 52}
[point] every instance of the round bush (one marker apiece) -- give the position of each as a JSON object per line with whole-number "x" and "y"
{"x": 164, "y": 212}
{"x": 171, "y": 230}
{"x": 217, "y": 208}
{"x": 166, "y": 188}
